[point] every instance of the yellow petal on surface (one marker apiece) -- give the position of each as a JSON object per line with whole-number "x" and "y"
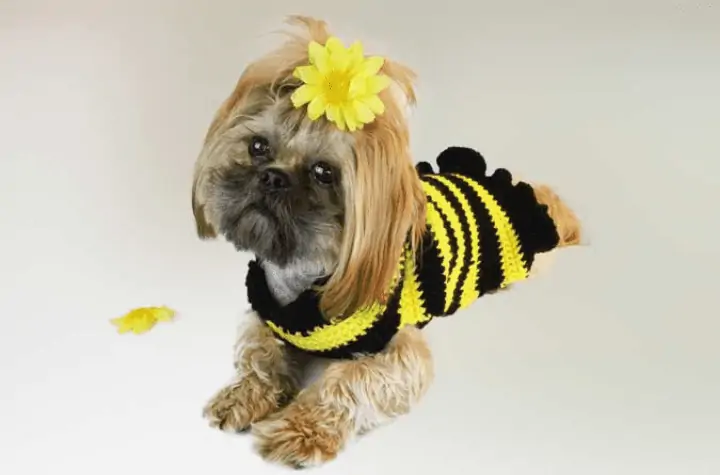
{"x": 318, "y": 56}
{"x": 376, "y": 84}
{"x": 143, "y": 319}
{"x": 362, "y": 112}
{"x": 303, "y": 95}
{"x": 122, "y": 323}
{"x": 371, "y": 65}
{"x": 163, "y": 314}
{"x": 317, "y": 107}
{"x": 374, "y": 104}
{"x": 308, "y": 75}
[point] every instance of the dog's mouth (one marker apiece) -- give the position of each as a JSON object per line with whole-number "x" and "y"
{"x": 254, "y": 210}
{"x": 258, "y": 228}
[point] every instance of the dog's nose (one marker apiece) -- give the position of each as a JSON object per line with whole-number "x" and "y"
{"x": 274, "y": 179}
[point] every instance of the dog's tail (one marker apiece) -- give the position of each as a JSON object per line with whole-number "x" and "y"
{"x": 566, "y": 221}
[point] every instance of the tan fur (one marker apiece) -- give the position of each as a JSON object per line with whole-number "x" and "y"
{"x": 264, "y": 379}
{"x": 385, "y": 209}
{"x": 350, "y": 398}
{"x": 566, "y": 221}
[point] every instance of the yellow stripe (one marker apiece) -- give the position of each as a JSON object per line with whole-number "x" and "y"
{"x": 437, "y": 227}
{"x": 469, "y": 287}
{"x": 513, "y": 266}
{"x": 334, "y": 335}
{"x": 412, "y": 304}
{"x": 447, "y": 209}
{"x": 341, "y": 333}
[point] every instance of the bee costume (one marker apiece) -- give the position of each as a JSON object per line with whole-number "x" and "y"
{"x": 482, "y": 235}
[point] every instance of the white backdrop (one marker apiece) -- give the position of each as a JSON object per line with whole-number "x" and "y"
{"x": 607, "y": 364}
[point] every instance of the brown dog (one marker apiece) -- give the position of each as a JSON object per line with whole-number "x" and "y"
{"x": 352, "y": 201}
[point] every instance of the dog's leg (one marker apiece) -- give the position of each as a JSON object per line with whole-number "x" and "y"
{"x": 264, "y": 379}
{"x": 349, "y": 398}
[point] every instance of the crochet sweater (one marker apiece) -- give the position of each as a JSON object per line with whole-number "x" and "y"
{"x": 482, "y": 235}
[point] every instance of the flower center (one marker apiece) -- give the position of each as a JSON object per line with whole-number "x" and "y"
{"x": 337, "y": 87}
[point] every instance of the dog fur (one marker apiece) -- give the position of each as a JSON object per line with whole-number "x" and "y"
{"x": 351, "y": 230}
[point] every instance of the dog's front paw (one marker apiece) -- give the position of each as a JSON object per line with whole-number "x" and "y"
{"x": 302, "y": 436}
{"x": 250, "y": 399}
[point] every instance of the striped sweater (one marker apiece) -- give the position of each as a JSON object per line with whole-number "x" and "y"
{"x": 482, "y": 235}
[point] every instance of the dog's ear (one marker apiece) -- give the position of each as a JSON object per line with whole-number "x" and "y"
{"x": 203, "y": 227}
{"x": 248, "y": 80}
{"x": 385, "y": 205}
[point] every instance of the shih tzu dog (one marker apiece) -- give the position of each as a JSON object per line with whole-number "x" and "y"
{"x": 356, "y": 247}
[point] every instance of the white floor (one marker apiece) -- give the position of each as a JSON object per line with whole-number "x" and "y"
{"x": 607, "y": 365}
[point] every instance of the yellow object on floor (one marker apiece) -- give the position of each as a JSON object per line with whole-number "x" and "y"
{"x": 143, "y": 319}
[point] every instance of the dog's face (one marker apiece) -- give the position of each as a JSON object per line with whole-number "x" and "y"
{"x": 299, "y": 192}
{"x": 281, "y": 193}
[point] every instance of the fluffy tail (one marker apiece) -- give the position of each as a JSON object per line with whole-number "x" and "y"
{"x": 566, "y": 221}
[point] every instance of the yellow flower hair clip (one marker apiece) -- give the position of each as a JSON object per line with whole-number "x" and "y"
{"x": 342, "y": 84}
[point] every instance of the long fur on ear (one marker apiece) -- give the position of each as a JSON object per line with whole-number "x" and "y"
{"x": 268, "y": 71}
{"x": 385, "y": 205}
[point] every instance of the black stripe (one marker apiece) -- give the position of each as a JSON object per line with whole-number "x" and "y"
{"x": 490, "y": 276}
{"x": 465, "y": 229}
{"x": 453, "y": 243}
{"x": 535, "y": 229}
{"x": 303, "y": 315}
{"x": 267, "y": 307}
{"x": 430, "y": 275}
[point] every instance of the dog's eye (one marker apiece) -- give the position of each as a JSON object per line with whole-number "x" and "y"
{"x": 323, "y": 173}
{"x": 258, "y": 147}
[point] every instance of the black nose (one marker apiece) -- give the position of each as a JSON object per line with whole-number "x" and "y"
{"x": 274, "y": 179}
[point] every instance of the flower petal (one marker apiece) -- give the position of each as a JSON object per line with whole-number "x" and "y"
{"x": 374, "y": 104}
{"x": 308, "y": 74}
{"x": 356, "y": 54}
{"x": 339, "y": 55}
{"x": 358, "y": 87}
{"x": 350, "y": 118}
{"x": 333, "y": 45}
{"x": 371, "y": 65}
{"x": 340, "y": 60}
{"x": 164, "y": 314}
{"x": 334, "y": 114}
{"x": 363, "y": 112}
{"x": 317, "y": 107}
{"x": 303, "y": 95}
{"x": 375, "y": 84}
{"x": 318, "y": 56}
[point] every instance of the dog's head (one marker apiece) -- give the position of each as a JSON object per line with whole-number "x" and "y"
{"x": 296, "y": 191}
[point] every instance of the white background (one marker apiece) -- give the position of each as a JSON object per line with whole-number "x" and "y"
{"x": 608, "y": 364}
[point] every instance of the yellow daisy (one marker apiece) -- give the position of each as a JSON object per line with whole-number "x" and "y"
{"x": 342, "y": 84}
{"x": 141, "y": 320}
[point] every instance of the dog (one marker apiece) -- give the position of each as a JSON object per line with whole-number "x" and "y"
{"x": 315, "y": 203}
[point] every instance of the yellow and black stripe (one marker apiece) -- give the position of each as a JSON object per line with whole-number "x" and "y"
{"x": 482, "y": 235}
